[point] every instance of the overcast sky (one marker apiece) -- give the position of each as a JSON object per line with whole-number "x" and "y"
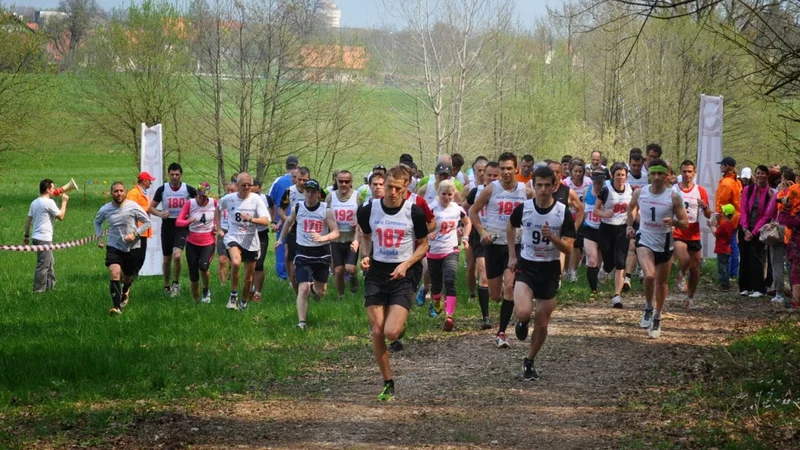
{"x": 355, "y": 13}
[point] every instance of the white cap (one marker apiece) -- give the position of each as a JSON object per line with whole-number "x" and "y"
{"x": 746, "y": 173}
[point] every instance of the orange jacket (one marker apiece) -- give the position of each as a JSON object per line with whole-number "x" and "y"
{"x": 729, "y": 190}
{"x": 137, "y": 195}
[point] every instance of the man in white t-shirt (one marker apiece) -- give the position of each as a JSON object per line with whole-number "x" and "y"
{"x": 41, "y": 214}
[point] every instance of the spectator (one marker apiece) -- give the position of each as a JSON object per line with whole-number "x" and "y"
{"x": 41, "y": 214}
{"x": 777, "y": 250}
{"x": 755, "y": 199}
{"x": 729, "y": 191}
{"x": 723, "y": 231}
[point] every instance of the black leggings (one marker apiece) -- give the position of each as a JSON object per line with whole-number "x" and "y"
{"x": 263, "y": 239}
{"x": 614, "y": 246}
{"x": 443, "y": 270}
{"x": 198, "y": 258}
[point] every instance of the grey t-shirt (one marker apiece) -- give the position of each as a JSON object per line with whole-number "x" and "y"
{"x": 42, "y": 213}
{"x": 122, "y": 221}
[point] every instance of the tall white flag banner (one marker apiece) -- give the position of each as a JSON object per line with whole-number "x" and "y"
{"x": 153, "y": 163}
{"x": 709, "y": 153}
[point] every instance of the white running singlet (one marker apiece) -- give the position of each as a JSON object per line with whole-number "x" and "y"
{"x": 653, "y": 210}
{"x": 501, "y": 205}
{"x": 240, "y": 232}
{"x": 580, "y": 190}
{"x": 617, "y": 202}
{"x": 536, "y": 247}
{"x": 203, "y": 215}
{"x": 173, "y": 201}
{"x": 392, "y": 235}
{"x": 310, "y": 222}
{"x": 345, "y": 212}
{"x": 447, "y": 219}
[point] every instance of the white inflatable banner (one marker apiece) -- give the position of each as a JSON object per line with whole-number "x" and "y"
{"x": 153, "y": 163}
{"x": 709, "y": 153}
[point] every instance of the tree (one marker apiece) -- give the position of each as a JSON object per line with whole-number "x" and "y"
{"x": 68, "y": 33}
{"x": 25, "y": 81}
{"x": 136, "y": 71}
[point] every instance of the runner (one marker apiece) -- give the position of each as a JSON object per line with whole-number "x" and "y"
{"x": 499, "y": 198}
{"x": 478, "y": 169}
{"x": 316, "y": 227}
{"x": 245, "y": 211}
{"x": 657, "y": 207}
{"x": 172, "y": 196}
{"x": 344, "y": 204}
{"x": 391, "y": 227}
{"x": 611, "y": 204}
{"x": 293, "y": 196}
{"x": 547, "y": 231}
{"x": 591, "y": 232}
{"x": 263, "y": 239}
{"x": 637, "y": 178}
{"x": 580, "y": 184}
{"x": 443, "y": 253}
{"x": 687, "y": 242}
{"x": 223, "y": 262}
{"x": 123, "y": 236}
{"x": 525, "y": 173}
{"x": 199, "y": 215}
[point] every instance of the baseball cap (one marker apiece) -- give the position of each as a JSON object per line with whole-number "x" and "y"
{"x": 746, "y": 173}
{"x": 406, "y": 158}
{"x": 312, "y": 184}
{"x": 203, "y": 187}
{"x": 444, "y": 168}
{"x": 146, "y": 176}
{"x": 728, "y": 161}
{"x": 598, "y": 176}
{"x": 292, "y": 162}
{"x": 379, "y": 167}
{"x": 728, "y": 209}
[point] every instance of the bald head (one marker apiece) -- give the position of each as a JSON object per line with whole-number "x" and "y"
{"x": 445, "y": 159}
{"x": 244, "y": 181}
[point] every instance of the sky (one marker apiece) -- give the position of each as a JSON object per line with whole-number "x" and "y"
{"x": 355, "y": 13}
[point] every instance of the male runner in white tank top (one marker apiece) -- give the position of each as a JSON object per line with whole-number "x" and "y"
{"x": 499, "y": 198}
{"x": 657, "y": 207}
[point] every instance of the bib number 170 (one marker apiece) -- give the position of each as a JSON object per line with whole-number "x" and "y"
{"x": 389, "y": 237}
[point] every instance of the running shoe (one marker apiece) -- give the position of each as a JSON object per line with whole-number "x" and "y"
{"x": 175, "y": 290}
{"x": 232, "y": 301}
{"x": 396, "y": 346}
{"x": 601, "y": 276}
{"x": 616, "y": 302}
{"x": 521, "y": 330}
{"x": 573, "y": 276}
{"x": 167, "y": 290}
{"x": 593, "y": 295}
{"x": 688, "y": 303}
{"x": 647, "y": 317}
{"x": 755, "y": 294}
{"x": 354, "y": 284}
{"x": 242, "y": 305}
{"x": 472, "y": 298}
{"x": 528, "y": 372}
{"x": 206, "y": 297}
{"x": 640, "y": 274}
{"x": 437, "y": 306}
{"x": 432, "y": 311}
{"x": 682, "y": 284}
{"x": 500, "y": 340}
{"x": 486, "y": 324}
{"x": 114, "y": 312}
{"x": 256, "y": 297}
{"x": 449, "y": 323}
{"x": 654, "y": 332}
{"x": 721, "y": 288}
{"x": 420, "y": 296}
{"x": 744, "y": 293}
{"x": 626, "y": 285}
{"x": 778, "y": 299}
{"x": 301, "y": 325}
{"x": 124, "y": 301}
{"x": 387, "y": 394}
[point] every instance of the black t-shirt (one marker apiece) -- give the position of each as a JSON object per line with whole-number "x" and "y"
{"x": 473, "y": 193}
{"x": 567, "y": 228}
{"x": 417, "y": 218}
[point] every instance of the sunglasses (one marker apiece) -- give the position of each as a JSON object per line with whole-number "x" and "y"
{"x": 345, "y": 181}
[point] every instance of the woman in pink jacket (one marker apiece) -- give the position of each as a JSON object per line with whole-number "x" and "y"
{"x": 198, "y": 215}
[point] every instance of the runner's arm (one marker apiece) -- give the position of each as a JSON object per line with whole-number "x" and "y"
{"x": 680, "y": 212}
{"x": 480, "y": 202}
{"x": 183, "y": 216}
{"x": 633, "y": 208}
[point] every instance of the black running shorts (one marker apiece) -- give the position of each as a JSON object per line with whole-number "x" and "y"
{"x": 541, "y": 277}
{"x": 126, "y": 260}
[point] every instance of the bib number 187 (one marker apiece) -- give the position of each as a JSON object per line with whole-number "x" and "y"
{"x": 389, "y": 237}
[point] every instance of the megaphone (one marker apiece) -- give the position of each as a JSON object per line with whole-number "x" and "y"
{"x": 71, "y": 186}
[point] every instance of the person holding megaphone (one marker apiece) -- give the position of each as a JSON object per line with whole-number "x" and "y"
{"x": 41, "y": 214}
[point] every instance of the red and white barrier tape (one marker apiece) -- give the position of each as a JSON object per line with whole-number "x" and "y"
{"x": 42, "y": 248}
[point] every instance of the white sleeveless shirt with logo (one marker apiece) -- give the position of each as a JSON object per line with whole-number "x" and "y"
{"x": 482, "y": 212}
{"x": 617, "y": 202}
{"x": 653, "y": 209}
{"x": 447, "y": 219}
{"x": 261, "y": 228}
{"x": 392, "y": 235}
{"x": 430, "y": 191}
{"x": 309, "y": 222}
{"x": 536, "y": 247}
{"x": 345, "y": 212}
{"x": 173, "y": 200}
{"x": 580, "y": 190}
{"x": 690, "y": 201}
{"x": 638, "y": 183}
{"x": 501, "y": 205}
{"x": 295, "y": 197}
{"x": 203, "y": 215}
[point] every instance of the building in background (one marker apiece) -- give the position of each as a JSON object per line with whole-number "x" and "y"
{"x": 332, "y": 14}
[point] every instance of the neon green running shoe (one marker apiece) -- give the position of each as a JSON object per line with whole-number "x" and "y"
{"x": 437, "y": 306}
{"x": 387, "y": 394}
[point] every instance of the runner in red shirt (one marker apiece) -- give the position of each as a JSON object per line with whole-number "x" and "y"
{"x": 687, "y": 241}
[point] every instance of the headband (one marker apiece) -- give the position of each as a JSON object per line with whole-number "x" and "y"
{"x": 657, "y": 169}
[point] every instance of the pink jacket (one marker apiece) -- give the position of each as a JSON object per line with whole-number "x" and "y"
{"x": 747, "y": 204}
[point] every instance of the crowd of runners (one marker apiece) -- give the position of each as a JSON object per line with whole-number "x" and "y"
{"x": 526, "y": 227}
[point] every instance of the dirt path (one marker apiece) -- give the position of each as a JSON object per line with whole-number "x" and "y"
{"x": 461, "y": 392}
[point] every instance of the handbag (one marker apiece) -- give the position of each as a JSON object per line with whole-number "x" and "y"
{"x": 771, "y": 234}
